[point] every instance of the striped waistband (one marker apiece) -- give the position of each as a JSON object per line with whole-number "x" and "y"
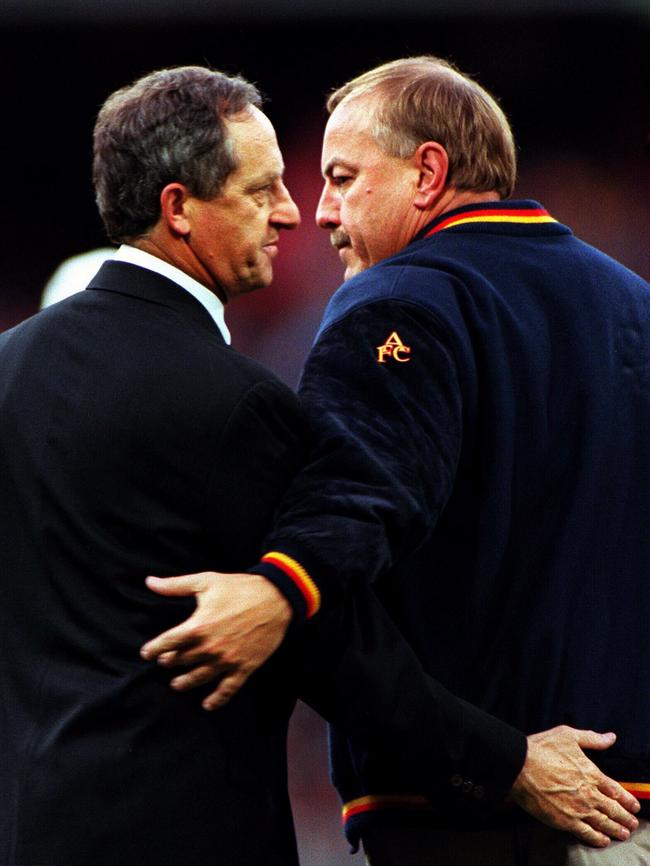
{"x": 384, "y": 801}
{"x": 416, "y": 802}
{"x": 641, "y": 790}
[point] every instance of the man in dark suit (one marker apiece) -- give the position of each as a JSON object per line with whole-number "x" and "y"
{"x": 134, "y": 440}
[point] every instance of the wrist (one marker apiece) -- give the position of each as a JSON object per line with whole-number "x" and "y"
{"x": 292, "y": 580}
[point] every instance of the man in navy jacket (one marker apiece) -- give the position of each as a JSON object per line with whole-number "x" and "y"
{"x": 133, "y": 440}
{"x": 481, "y": 394}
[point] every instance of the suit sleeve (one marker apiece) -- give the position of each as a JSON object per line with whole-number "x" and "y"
{"x": 382, "y": 388}
{"x": 263, "y": 445}
{"x": 358, "y": 672}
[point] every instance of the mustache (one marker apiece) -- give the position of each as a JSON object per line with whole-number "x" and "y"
{"x": 339, "y": 238}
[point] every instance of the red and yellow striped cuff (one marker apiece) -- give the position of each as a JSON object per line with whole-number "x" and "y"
{"x": 299, "y": 576}
{"x": 386, "y": 801}
{"x": 641, "y": 790}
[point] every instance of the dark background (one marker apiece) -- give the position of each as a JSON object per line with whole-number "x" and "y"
{"x": 575, "y": 87}
{"x": 573, "y": 78}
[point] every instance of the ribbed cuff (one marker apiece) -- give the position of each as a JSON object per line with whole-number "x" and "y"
{"x": 293, "y": 580}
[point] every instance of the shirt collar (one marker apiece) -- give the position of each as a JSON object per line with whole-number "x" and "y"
{"x": 208, "y": 299}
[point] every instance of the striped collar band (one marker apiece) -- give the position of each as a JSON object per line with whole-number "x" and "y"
{"x": 524, "y": 213}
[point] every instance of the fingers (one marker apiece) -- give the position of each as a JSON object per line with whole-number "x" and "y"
{"x": 227, "y": 689}
{"x": 180, "y": 636}
{"x": 593, "y": 740}
{"x": 622, "y": 822}
{"x": 594, "y": 829}
{"x": 618, "y": 804}
{"x": 589, "y": 836}
{"x": 198, "y": 676}
{"x": 615, "y": 826}
{"x": 609, "y": 816}
{"x": 186, "y": 584}
{"x": 192, "y": 653}
{"x": 612, "y": 828}
{"x": 171, "y": 641}
{"x": 626, "y": 801}
{"x": 239, "y": 621}
{"x": 560, "y": 786}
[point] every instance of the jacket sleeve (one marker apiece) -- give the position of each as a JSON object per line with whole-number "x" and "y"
{"x": 383, "y": 392}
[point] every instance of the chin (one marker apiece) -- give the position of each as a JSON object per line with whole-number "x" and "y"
{"x": 253, "y": 282}
{"x": 354, "y": 269}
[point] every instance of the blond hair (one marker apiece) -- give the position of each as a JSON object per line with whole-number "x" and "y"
{"x": 425, "y": 98}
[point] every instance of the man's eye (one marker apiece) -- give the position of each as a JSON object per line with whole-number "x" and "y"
{"x": 262, "y": 194}
{"x": 340, "y": 179}
{"x": 267, "y": 189}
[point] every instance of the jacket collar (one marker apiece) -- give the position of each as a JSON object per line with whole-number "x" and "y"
{"x": 125, "y": 278}
{"x": 490, "y": 215}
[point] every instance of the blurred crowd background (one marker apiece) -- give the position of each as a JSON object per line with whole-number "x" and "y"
{"x": 572, "y": 76}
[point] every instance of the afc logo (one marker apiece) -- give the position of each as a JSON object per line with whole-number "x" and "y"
{"x": 393, "y": 348}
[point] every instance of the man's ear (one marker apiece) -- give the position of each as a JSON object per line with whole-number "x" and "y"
{"x": 174, "y": 209}
{"x": 433, "y": 164}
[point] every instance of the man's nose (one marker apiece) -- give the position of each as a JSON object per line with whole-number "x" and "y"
{"x": 286, "y": 214}
{"x": 327, "y": 212}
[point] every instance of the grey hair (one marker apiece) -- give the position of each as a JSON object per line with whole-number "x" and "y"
{"x": 166, "y": 127}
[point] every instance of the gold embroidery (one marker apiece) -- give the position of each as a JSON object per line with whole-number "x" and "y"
{"x": 393, "y": 348}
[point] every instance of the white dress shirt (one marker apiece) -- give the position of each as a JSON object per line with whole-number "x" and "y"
{"x": 210, "y": 301}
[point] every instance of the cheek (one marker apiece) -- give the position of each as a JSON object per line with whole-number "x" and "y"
{"x": 363, "y": 231}
{"x": 249, "y": 243}
{"x": 362, "y": 209}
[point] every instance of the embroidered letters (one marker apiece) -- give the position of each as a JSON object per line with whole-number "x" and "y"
{"x": 393, "y": 348}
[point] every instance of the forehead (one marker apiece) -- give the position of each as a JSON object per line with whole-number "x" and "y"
{"x": 348, "y": 135}
{"x": 254, "y": 141}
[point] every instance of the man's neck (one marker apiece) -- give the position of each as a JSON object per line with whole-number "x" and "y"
{"x": 452, "y": 199}
{"x": 178, "y": 253}
{"x": 448, "y": 200}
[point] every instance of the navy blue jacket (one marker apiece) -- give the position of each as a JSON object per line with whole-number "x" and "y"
{"x": 483, "y": 405}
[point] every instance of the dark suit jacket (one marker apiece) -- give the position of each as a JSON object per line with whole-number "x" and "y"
{"x": 133, "y": 441}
